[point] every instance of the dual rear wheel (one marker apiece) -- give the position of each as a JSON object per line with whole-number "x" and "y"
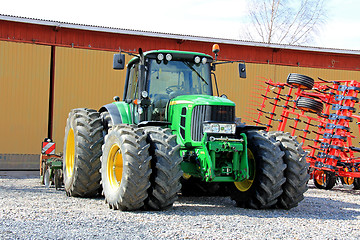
{"x": 278, "y": 172}
{"x": 139, "y": 168}
{"x": 82, "y": 151}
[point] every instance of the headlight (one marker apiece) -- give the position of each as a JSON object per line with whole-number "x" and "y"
{"x": 168, "y": 57}
{"x": 219, "y": 128}
{"x": 197, "y": 59}
{"x": 144, "y": 94}
{"x": 160, "y": 56}
{"x": 215, "y": 128}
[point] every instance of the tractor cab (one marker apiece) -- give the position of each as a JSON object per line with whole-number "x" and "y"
{"x": 166, "y": 75}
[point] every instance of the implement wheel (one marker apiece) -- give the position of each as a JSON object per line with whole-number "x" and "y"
{"x": 356, "y": 184}
{"x": 166, "y": 170}
{"x": 82, "y": 151}
{"x": 351, "y": 183}
{"x": 42, "y": 173}
{"x": 47, "y": 180}
{"x": 58, "y": 179}
{"x": 324, "y": 179}
{"x": 296, "y": 170}
{"x": 300, "y": 81}
{"x": 125, "y": 168}
{"x": 266, "y": 173}
{"x": 309, "y": 105}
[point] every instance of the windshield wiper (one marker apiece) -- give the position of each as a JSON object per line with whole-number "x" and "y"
{"x": 192, "y": 68}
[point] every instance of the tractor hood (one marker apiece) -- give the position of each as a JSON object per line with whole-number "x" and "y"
{"x": 187, "y": 113}
{"x": 200, "y": 100}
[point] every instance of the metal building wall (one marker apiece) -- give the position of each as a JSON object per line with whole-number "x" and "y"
{"x": 83, "y": 78}
{"x": 24, "y": 98}
{"x": 244, "y": 91}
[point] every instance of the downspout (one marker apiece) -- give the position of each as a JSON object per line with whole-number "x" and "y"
{"x": 51, "y": 92}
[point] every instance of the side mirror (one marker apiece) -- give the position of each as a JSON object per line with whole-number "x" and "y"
{"x": 119, "y": 61}
{"x": 242, "y": 70}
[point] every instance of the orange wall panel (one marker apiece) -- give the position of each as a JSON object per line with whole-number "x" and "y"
{"x": 83, "y": 78}
{"x": 24, "y": 98}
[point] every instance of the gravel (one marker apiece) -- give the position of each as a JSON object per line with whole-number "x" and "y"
{"x": 28, "y": 210}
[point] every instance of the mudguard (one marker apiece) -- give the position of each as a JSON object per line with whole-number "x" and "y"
{"x": 120, "y": 112}
{"x": 243, "y": 128}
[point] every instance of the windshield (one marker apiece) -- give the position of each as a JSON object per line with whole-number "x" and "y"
{"x": 177, "y": 78}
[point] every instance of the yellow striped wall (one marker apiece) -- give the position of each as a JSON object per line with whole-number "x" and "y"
{"x": 24, "y": 97}
{"x": 243, "y": 91}
{"x": 85, "y": 78}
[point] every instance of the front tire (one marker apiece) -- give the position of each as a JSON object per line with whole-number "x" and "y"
{"x": 296, "y": 171}
{"x": 125, "y": 168}
{"x": 166, "y": 170}
{"x": 266, "y": 174}
{"x": 82, "y": 151}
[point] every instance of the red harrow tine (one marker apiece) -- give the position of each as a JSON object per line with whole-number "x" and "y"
{"x": 262, "y": 106}
{"x": 337, "y": 133}
{"x": 326, "y": 131}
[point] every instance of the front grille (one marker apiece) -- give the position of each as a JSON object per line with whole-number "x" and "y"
{"x": 212, "y": 113}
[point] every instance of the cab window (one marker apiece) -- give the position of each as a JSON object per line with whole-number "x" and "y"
{"x": 133, "y": 80}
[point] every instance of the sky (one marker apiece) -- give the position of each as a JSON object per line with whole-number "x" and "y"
{"x": 208, "y": 18}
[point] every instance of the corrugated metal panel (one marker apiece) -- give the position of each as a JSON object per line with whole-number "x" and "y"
{"x": 83, "y": 78}
{"x": 246, "y": 93}
{"x": 57, "y": 25}
{"x": 89, "y": 37}
{"x": 24, "y": 86}
{"x": 240, "y": 90}
{"x": 19, "y": 161}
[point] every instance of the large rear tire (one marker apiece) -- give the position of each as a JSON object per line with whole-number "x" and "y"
{"x": 107, "y": 121}
{"x": 125, "y": 168}
{"x": 82, "y": 151}
{"x": 296, "y": 173}
{"x": 266, "y": 168}
{"x": 166, "y": 170}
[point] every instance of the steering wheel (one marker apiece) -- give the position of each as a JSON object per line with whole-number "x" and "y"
{"x": 171, "y": 89}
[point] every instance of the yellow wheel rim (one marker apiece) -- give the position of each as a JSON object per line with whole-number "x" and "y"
{"x": 186, "y": 176}
{"x": 70, "y": 153}
{"x": 245, "y": 185}
{"x": 115, "y": 166}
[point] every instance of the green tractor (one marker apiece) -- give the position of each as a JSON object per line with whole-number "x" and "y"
{"x": 171, "y": 129}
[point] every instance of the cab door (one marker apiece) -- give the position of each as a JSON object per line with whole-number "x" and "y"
{"x": 132, "y": 91}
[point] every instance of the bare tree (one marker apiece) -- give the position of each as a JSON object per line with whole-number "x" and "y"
{"x": 283, "y": 21}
